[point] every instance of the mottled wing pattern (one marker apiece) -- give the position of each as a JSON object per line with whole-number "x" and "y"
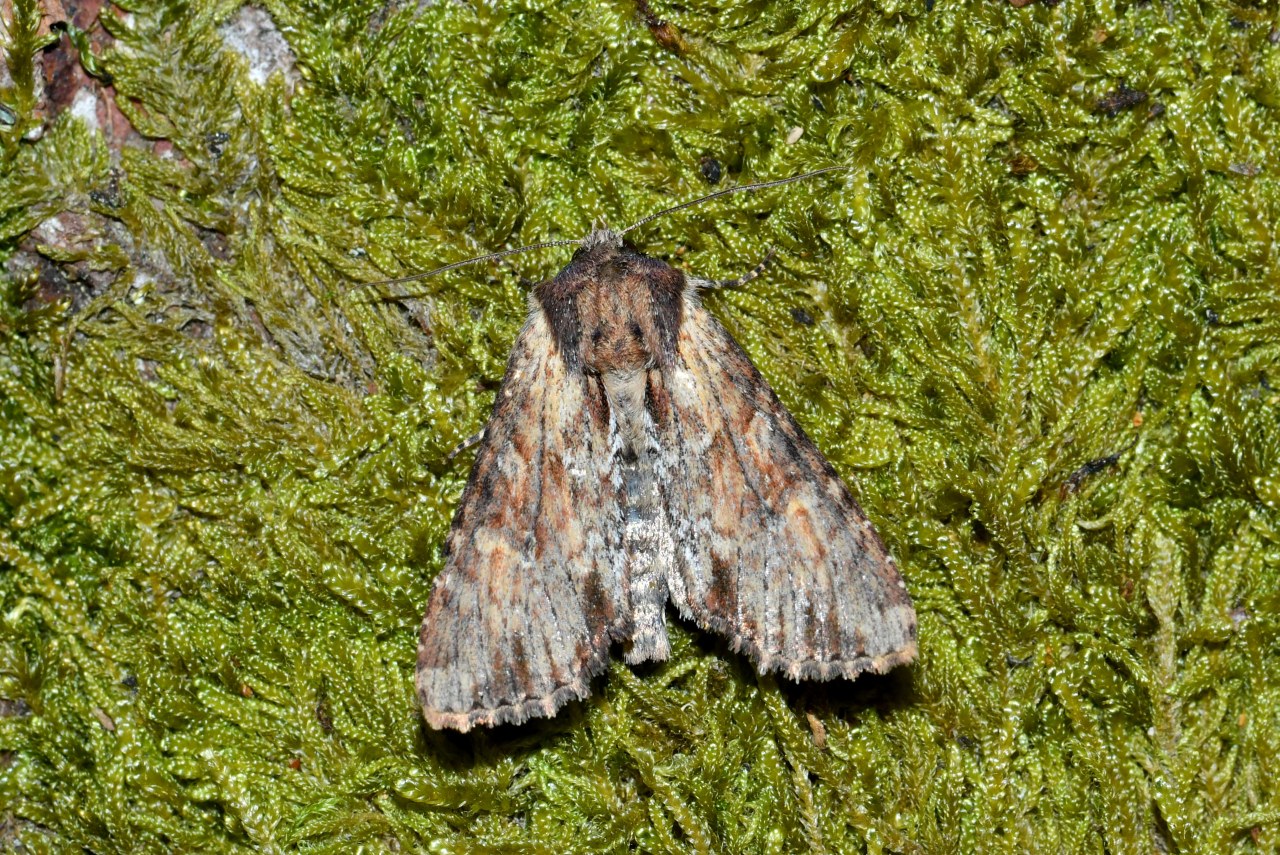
{"x": 522, "y": 614}
{"x": 771, "y": 549}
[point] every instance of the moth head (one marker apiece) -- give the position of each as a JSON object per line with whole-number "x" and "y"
{"x": 598, "y": 237}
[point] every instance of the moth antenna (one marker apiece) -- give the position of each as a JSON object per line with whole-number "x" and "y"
{"x": 759, "y": 185}
{"x": 493, "y": 256}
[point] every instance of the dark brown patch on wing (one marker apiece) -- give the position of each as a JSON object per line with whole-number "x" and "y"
{"x": 559, "y": 301}
{"x": 657, "y": 399}
{"x": 722, "y": 595}
{"x": 667, "y": 286}
{"x": 815, "y": 638}
{"x": 598, "y": 600}
{"x": 597, "y": 403}
{"x": 520, "y": 674}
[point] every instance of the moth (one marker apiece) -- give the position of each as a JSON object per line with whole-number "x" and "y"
{"x": 636, "y": 457}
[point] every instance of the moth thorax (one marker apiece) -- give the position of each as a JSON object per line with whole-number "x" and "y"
{"x": 610, "y": 349}
{"x": 618, "y": 329}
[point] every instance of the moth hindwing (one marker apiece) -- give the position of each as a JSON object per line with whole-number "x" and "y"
{"x": 635, "y": 456}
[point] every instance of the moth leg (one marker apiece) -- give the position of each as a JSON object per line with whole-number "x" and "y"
{"x": 474, "y": 439}
{"x": 707, "y": 284}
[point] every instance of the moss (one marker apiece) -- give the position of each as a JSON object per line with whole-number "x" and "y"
{"x": 1044, "y": 344}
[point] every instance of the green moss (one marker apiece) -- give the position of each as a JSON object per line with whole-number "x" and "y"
{"x": 224, "y": 481}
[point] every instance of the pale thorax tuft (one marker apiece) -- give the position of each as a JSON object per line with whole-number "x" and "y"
{"x": 602, "y": 237}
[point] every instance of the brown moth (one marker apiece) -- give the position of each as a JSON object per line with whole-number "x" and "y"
{"x": 636, "y": 457}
